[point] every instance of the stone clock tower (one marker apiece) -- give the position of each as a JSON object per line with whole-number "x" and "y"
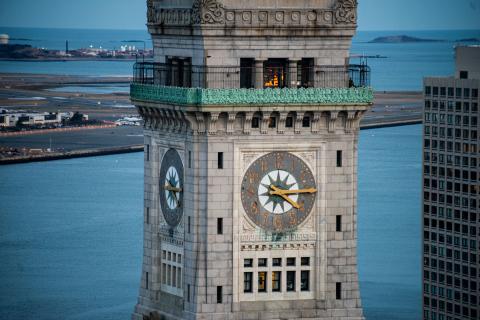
{"x": 252, "y": 113}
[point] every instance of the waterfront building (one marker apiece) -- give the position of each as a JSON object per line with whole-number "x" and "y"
{"x": 451, "y": 215}
{"x": 252, "y": 113}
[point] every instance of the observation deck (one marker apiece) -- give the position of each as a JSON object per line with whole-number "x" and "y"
{"x": 272, "y": 83}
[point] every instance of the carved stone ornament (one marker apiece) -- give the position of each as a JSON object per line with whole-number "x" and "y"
{"x": 151, "y": 11}
{"x": 208, "y": 12}
{"x": 346, "y": 12}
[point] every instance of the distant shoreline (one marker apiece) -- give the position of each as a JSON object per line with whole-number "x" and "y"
{"x": 140, "y": 148}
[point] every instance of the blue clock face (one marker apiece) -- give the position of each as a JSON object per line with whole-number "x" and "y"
{"x": 171, "y": 188}
{"x": 278, "y": 192}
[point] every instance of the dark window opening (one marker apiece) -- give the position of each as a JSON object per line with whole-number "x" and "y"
{"x": 189, "y": 159}
{"x": 291, "y": 280}
{"x": 220, "y": 160}
{"x": 272, "y": 122}
{"x": 188, "y": 293}
{"x": 148, "y": 215}
{"x": 463, "y": 74}
{"x": 306, "y": 73}
{"x": 146, "y": 280}
{"x": 262, "y": 262}
{"x": 247, "y": 282}
{"x": 277, "y": 262}
{"x": 147, "y": 152}
{"x": 255, "y": 122}
{"x": 248, "y": 263}
{"x": 291, "y": 262}
{"x": 305, "y": 261}
{"x": 179, "y": 72}
{"x": 247, "y": 66}
{"x": 289, "y": 122}
{"x": 189, "y": 224}
{"x": 276, "y": 281}
{"x": 339, "y": 223}
{"x": 306, "y": 122}
{"x": 220, "y": 226}
{"x": 305, "y": 280}
{"x": 338, "y": 293}
{"x": 219, "y": 294}
{"x": 339, "y": 158}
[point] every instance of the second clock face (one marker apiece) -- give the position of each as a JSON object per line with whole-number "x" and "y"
{"x": 171, "y": 187}
{"x": 278, "y": 192}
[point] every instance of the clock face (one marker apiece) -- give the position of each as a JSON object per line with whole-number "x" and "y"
{"x": 278, "y": 192}
{"x": 171, "y": 187}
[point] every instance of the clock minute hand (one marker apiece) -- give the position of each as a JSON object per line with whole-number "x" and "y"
{"x": 280, "y": 191}
{"x": 276, "y": 191}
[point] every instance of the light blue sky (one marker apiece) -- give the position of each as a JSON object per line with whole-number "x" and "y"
{"x": 130, "y": 14}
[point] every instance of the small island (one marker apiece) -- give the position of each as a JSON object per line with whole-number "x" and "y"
{"x": 402, "y": 39}
{"x": 468, "y": 40}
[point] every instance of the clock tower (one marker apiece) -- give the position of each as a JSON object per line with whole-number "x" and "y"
{"x": 252, "y": 112}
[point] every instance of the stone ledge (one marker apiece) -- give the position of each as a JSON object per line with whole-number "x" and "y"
{"x": 257, "y": 97}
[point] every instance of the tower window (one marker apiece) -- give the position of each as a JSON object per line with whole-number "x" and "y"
{"x": 276, "y": 281}
{"x": 306, "y": 122}
{"x": 272, "y": 122}
{"x": 289, "y": 122}
{"x": 189, "y": 159}
{"x": 147, "y": 214}
{"x": 188, "y": 293}
{"x": 220, "y": 226}
{"x": 219, "y": 294}
{"x": 291, "y": 262}
{"x": 262, "y": 282}
{"x": 290, "y": 280}
{"x": 305, "y": 261}
{"x": 463, "y": 74}
{"x": 262, "y": 262}
{"x": 339, "y": 158}
{"x": 247, "y": 282}
{"x": 248, "y": 263}
{"x": 305, "y": 280}
{"x": 277, "y": 262}
{"x": 339, "y": 223}
{"x": 255, "y": 122}
{"x": 338, "y": 292}
{"x": 220, "y": 160}
{"x": 147, "y": 152}
{"x": 189, "y": 224}
{"x": 146, "y": 280}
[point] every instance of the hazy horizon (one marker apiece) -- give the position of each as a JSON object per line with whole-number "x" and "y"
{"x": 373, "y": 15}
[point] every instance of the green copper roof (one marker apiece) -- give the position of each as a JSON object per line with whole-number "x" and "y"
{"x": 215, "y": 97}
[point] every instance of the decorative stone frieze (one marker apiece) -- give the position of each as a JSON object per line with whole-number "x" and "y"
{"x": 213, "y": 12}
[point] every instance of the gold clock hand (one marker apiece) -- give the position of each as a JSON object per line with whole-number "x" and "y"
{"x": 293, "y": 203}
{"x": 281, "y": 191}
{"x": 174, "y": 190}
{"x": 169, "y": 187}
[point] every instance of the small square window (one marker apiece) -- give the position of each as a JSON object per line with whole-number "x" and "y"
{"x": 248, "y": 263}
{"x": 291, "y": 262}
{"x": 277, "y": 262}
{"x": 305, "y": 261}
{"x": 262, "y": 262}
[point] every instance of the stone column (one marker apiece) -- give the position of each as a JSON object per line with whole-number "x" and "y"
{"x": 259, "y": 73}
{"x": 293, "y": 73}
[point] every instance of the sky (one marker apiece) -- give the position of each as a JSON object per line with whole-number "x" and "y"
{"x": 130, "y": 14}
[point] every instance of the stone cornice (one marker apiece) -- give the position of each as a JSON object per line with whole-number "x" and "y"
{"x": 212, "y": 13}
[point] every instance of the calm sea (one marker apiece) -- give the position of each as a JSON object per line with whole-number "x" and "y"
{"x": 71, "y": 233}
{"x": 403, "y": 68}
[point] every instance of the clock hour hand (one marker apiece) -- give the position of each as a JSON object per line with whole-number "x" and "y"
{"x": 169, "y": 187}
{"x": 276, "y": 190}
{"x": 174, "y": 191}
{"x": 285, "y": 192}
